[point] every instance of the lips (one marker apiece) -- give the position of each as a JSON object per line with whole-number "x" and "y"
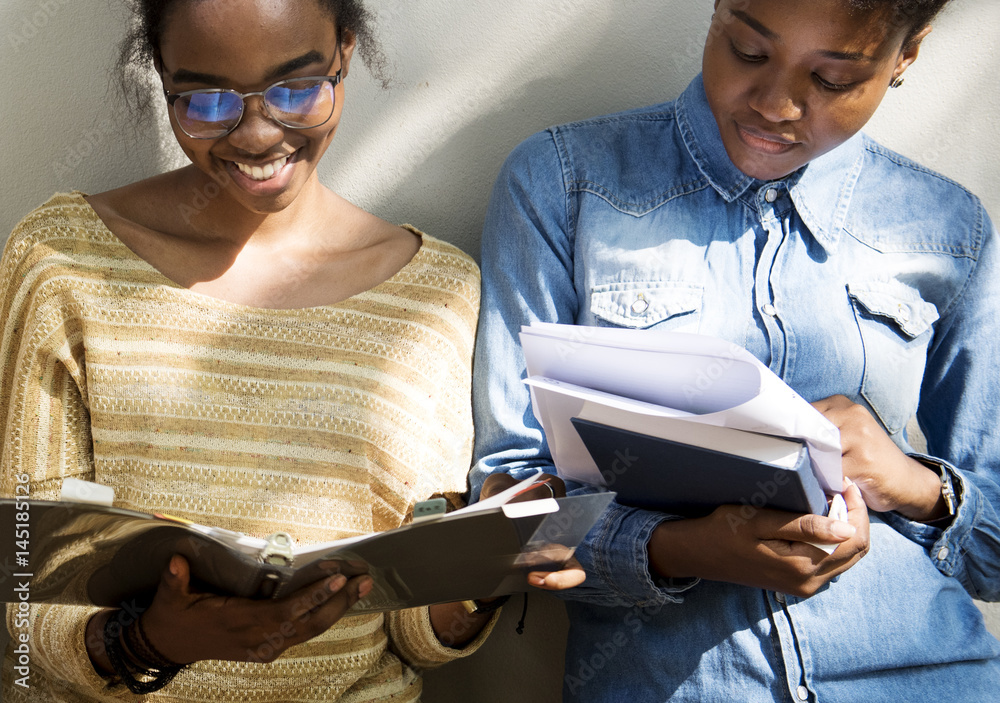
{"x": 263, "y": 177}
{"x": 262, "y": 172}
{"x": 763, "y": 141}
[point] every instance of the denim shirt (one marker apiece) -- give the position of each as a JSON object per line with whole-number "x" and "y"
{"x": 862, "y": 274}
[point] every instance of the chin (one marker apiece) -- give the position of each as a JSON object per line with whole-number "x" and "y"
{"x": 764, "y": 169}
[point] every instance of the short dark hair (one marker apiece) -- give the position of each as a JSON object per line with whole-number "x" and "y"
{"x": 909, "y": 15}
{"x": 139, "y": 47}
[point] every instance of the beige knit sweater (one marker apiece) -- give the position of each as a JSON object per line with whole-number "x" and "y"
{"x": 323, "y": 422}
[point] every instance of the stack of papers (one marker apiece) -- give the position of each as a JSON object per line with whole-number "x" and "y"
{"x": 685, "y": 389}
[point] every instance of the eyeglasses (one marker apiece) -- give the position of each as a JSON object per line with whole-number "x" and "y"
{"x": 296, "y": 103}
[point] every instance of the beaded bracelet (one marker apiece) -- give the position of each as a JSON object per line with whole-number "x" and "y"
{"x": 137, "y": 642}
{"x": 153, "y": 677}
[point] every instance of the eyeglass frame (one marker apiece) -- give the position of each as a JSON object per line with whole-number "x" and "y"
{"x": 334, "y": 79}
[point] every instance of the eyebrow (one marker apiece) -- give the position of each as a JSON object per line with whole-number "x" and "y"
{"x": 754, "y": 24}
{"x": 182, "y": 75}
{"x": 768, "y": 34}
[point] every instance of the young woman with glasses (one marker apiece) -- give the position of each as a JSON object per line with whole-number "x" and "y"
{"x": 753, "y": 209}
{"x": 234, "y": 344}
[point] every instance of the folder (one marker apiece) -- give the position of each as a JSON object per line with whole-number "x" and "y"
{"x": 84, "y": 554}
{"x": 683, "y": 479}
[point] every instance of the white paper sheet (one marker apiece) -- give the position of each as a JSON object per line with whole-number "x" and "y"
{"x": 714, "y": 381}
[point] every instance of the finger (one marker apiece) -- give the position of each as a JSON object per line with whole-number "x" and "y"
{"x": 830, "y": 403}
{"x": 330, "y": 566}
{"x": 336, "y": 606}
{"x": 542, "y": 489}
{"x": 496, "y": 483}
{"x": 817, "y": 528}
{"x": 557, "y": 580}
{"x": 308, "y": 599}
{"x": 857, "y": 510}
{"x": 558, "y": 486}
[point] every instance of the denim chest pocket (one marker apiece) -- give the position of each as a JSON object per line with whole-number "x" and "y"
{"x": 896, "y": 326}
{"x": 643, "y": 304}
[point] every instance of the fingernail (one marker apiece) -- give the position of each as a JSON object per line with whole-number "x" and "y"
{"x": 842, "y": 529}
{"x": 173, "y": 566}
{"x": 536, "y": 580}
{"x": 365, "y": 588}
{"x": 336, "y": 583}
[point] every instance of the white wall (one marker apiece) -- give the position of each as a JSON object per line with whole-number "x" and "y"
{"x": 473, "y": 77}
{"x": 471, "y": 81}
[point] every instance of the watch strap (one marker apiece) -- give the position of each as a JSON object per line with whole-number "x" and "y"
{"x": 478, "y": 607}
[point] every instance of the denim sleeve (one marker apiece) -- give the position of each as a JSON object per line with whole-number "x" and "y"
{"x": 958, "y": 413}
{"x": 527, "y": 268}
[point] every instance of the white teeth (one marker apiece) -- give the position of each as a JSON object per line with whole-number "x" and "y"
{"x": 262, "y": 173}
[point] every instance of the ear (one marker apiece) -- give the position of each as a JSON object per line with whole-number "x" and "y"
{"x": 348, "y": 42}
{"x": 909, "y": 52}
{"x": 158, "y": 63}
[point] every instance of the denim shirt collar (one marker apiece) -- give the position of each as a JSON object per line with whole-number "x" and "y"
{"x": 821, "y": 190}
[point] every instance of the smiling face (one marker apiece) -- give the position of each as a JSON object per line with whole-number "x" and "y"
{"x": 248, "y": 46}
{"x": 788, "y": 81}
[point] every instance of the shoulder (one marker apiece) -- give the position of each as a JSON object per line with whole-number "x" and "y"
{"x": 902, "y": 200}
{"x": 614, "y": 135}
{"x": 632, "y": 159}
{"x": 64, "y": 224}
{"x": 443, "y": 271}
{"x": 442, "y": 258}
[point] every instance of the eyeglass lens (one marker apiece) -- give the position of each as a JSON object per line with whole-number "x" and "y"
{"x": 295, "y": 103}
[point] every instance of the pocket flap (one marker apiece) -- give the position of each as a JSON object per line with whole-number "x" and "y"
{"x": 644, "y": 303}
{"x": 897, "y": 302}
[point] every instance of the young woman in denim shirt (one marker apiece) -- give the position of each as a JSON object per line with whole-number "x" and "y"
{"x": 753, "y": 209}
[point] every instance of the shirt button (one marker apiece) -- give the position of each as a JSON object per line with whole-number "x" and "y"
{"x": 771, "y": 195}
{"x": 904, "y": 312}
{"x": 780, "y": 597}
{"x": 640, "y": 305}
{"x": 942, "y": 554}
{"x": 802, "y": 693}
{"x": 769, "y": 310}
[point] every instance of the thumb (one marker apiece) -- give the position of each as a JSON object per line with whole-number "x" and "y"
{"x": 176, "y": 578}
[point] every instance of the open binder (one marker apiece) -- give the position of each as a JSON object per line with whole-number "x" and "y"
{"x": 84, "y": 554}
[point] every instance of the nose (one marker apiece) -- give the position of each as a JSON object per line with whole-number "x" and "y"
{"x": 257, "y": 132}
{"x": 778, "y": 98}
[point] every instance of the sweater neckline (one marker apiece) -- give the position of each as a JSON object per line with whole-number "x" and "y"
{"x": 166, "y": 281}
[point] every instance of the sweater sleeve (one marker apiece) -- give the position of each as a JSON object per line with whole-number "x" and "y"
{"x": 413, "y": 638}
{"x": 410, "y": 631}
{"x": 45, "y": 423}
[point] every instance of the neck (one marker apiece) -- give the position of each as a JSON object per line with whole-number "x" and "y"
{"x": 214, "y": 213}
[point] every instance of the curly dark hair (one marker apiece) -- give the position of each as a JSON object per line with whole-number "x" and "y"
{"x": 138, "y": 48}
{"x": 909, "y": 15}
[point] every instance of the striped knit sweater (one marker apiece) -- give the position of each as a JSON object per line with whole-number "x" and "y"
{"x": 324, "y": 422}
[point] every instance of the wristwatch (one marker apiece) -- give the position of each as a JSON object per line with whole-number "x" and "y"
{"x": 478, "y": 607}
{"x": 947, "y": 491}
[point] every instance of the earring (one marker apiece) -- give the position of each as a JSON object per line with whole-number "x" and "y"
{"x": 896, "y": 82}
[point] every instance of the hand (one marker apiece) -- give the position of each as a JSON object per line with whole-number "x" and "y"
{"x": 765, "y": 550}
{"x": 572, "y": 573}
{"x": 570, "y": 576}
{"x": 497, "y": 483}
{"x": 187, "y": 626}
{"x": 888, "y": 478}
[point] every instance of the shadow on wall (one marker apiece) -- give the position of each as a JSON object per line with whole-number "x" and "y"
{"x": 428, "y": 150}
{"x": 61, "y": 123}
{"x": 526, "y": 668}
